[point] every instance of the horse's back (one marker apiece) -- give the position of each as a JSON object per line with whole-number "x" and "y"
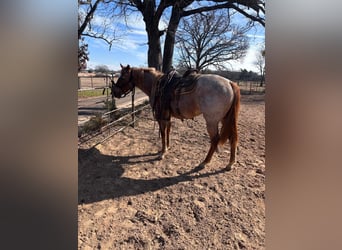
{"x": 214, "y": 84}
{"x": 215, "y": 94}
{"x": 212, "y": 97}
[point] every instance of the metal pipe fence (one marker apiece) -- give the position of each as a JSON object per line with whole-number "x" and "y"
{"x": 110, "y": 125}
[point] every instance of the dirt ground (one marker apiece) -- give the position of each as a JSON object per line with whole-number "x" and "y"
{"x": 128, "y": 199}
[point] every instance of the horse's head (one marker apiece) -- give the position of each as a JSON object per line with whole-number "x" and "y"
{"x": 124, "y": 84}
{"x": 115, "y": 90}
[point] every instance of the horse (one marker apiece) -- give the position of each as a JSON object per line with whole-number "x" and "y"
{"x": 213, "y": 96}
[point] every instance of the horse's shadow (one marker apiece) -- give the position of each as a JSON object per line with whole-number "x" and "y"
{"x": 100, "y": 177}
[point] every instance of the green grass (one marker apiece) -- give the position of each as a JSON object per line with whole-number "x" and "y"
{"x": 91, "y": 93}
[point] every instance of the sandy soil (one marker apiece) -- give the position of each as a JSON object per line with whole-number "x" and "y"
{"x": 128, "y": 199}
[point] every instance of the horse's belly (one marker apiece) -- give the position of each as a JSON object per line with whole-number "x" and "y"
{"x": 185, "y": 107}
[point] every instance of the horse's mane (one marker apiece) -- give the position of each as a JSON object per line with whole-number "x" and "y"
{"x": 151, "y": 70}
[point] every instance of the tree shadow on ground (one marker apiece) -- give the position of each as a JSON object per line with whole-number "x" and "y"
{"x": 100, "y": 177}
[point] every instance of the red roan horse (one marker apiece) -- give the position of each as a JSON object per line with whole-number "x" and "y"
{"x": 217, "y": 98}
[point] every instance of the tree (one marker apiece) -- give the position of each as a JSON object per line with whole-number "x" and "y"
{"x": 260, "y": 63}
{"x": 103, "y": 30}
{"x": 84, "y": 19}
{"x": 102, "y": 68}
{"x": 152, "y": 14}
{"x": 86, "y": 13}
{"x": 246, "y": 75}
{"x": 210, "y": 39}
{"x": 82, "y": 55}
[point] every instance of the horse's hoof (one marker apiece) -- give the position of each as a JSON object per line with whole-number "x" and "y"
{"x": 199, "y": 167}
{"x": 202, "y": 165}
{"x": 229, "y": 166}
{"x": 162, "y": 154}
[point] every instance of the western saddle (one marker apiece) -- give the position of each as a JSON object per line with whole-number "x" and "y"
{"x": 170, "y": 87}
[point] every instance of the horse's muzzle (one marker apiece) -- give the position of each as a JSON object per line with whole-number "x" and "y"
{"x": 116, "y": 91}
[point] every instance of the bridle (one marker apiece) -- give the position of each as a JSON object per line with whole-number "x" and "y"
{"x": 130, "y": 82}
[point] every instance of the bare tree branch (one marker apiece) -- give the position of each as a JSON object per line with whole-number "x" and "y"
{"x": 87, "y": 18}
{"x": 210, "y": 39}
{"x": 109, "y": 42}
{"x": 87, "y": 12}
{"x": 230, "y": 4}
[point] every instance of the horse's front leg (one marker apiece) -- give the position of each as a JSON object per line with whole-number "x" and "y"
{"x": 168, "y": 128}
{"x": 163, "y": 127}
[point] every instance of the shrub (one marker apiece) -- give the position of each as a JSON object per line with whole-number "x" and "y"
{"x": 94, "y": 124}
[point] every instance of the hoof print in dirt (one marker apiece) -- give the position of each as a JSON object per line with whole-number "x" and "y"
{"x": 143, "y": 217}
{"x": 171, "y": 230}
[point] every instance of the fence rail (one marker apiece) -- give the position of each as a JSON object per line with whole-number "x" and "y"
{"x": 95, "y": 82}
{"x": 115, "y": 132}
{"x": 110, "y": 126}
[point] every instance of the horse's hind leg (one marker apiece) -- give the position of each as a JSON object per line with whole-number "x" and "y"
{"x": 233, "y": 140}
{"x": 212, "y": 128}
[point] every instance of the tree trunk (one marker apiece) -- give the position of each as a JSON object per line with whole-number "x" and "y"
{"x": 154, "y": 56}
{"x": 262, "y": 81}
{"x": 151, "y": 19}
{"x": 171, "y": 38}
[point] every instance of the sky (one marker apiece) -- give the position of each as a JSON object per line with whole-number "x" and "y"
{"x": 131, "y": 48}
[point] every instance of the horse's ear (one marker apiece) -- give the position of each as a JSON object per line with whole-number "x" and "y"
{"x": 128, "y": 67}
{"x": 121, "y": 66}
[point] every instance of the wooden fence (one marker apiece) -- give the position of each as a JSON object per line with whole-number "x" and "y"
{"x": 95, "y": 81}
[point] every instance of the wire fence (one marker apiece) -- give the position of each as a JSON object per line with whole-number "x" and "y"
{"x": 251, "y": 87}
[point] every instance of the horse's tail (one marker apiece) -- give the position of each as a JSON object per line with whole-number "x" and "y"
{"x": 229, "y": 122}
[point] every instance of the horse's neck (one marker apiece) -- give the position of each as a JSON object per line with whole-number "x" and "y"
{"x": 146, "y": 85}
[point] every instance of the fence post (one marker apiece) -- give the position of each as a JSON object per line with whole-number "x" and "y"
{"x": 107, "y": 92}
{"x": 91, "y": 80}
{"x": 79, "y": 82}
